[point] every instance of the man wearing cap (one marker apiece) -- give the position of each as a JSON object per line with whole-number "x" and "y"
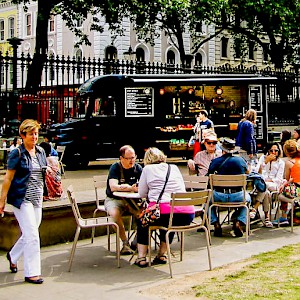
{"x": 296, "y": 135}
{"x": 228, "y": 164}
{"x": 203, "y": 158}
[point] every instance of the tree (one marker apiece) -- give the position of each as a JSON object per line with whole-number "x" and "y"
{"x": 272, "y": 24}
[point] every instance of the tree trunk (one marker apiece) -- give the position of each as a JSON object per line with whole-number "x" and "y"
{"x": 36, "y": 68}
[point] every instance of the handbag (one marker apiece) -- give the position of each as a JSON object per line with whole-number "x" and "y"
{"x": 291, "y": 190}
{"x": 152, "y": 213}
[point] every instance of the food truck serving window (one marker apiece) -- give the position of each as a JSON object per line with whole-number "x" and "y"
{"x": 139, "y": 102}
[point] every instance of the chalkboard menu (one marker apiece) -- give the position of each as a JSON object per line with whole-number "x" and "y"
{"x": 255, "y": 97}
{"x": 139, "y": 102}
{"x": 259, "y": 133}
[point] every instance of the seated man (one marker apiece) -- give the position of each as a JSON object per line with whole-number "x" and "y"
{"x": 122, "y": 176}
{"x": 228, "y": 164}
{"x": 203, "y": 158}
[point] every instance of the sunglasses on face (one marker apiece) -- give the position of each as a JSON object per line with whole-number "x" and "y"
{"x": 274, "y": 150}
{"x": 211, "y": 143}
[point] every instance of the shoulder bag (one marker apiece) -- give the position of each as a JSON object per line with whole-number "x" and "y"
{"x": 152, "y": 213}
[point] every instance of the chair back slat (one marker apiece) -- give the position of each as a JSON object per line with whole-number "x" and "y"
{"x": 75, "y": 208}
{"x": 100, "y": 182}
{"x": 196, "y": 198}
{"x": 194, "y": 182}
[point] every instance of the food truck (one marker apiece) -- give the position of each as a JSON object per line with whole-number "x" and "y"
{"x": 157, "y": 110}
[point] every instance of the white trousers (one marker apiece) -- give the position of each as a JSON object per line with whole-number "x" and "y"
{"x": 28, "y": 245}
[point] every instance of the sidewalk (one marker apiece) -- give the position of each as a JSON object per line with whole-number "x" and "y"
{"x": 95, "y": 275}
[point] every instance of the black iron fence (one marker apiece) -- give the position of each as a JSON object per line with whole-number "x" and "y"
{"x": 62, "y": 76}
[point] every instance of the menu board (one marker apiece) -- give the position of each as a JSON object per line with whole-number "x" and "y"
{"x": 255, "y": 97}
{"x": 139, "y": 102}
{"x": 259, "y": 133}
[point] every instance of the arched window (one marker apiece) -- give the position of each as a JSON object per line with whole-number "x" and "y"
{"x": 171, "y": 57}
{"x": 224, "y": 46}
{"x": 111, "y": 53}
{"x": 78, "y": 57}
{"x": 198, "y": 59}
{"x": 140, "y": 54}
{"x": 251, "y": 50}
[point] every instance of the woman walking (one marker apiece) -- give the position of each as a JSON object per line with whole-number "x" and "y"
{"x": 23, "y": 187}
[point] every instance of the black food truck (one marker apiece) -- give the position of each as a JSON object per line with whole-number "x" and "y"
{"x": 156, "y": 110}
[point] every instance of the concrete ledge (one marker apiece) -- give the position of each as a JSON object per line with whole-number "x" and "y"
{"x": 58, "y": 222}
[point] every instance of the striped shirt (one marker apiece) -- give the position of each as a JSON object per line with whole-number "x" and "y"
{"x": 34, "y": 192}
{"x": 202, "y": 159}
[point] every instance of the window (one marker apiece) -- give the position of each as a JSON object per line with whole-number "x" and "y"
{"x": 224, "y": 47}
{"x": 2, "y": 74}
{"x": 251, "y": 50}
{"x": 265, "y": 53}
{"x": 171, "y": 57}
{"x": 51, "y": 66}
{"x": 198, "y": 59}
{"x": 28, "y": 24}
{"x": 78, "y": 56}
{"x": 51, "y": 24}
{"x": 11, "y": 27}
{"x": 1, "y": 30}
{"x": 140, "y": 54}
{"x": 78, "y": 22}
{"x": 110, "y": 53}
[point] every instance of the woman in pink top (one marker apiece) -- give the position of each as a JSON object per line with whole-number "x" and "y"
{"x": 150, "y": 186}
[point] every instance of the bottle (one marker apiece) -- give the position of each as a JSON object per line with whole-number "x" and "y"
{"x": 4, "y": 144}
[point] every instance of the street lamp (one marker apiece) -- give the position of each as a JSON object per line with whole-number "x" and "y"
{"x": 128, "y": 54}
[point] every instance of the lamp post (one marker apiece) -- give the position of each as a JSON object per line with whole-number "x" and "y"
{"x": 297, "y": 66}
{"x": 15, "y": 43}
{"x": 128, "y": 54}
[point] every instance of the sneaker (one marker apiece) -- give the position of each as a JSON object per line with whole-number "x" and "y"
{"x": 126, "y": 250}
{"x": 281, "y": 221}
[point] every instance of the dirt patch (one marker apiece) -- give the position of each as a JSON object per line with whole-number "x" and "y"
{"x": 182, "y": 288}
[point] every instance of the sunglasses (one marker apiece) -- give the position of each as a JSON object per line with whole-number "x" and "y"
{"x": 274, "y": 150}
{"x": 211, "y": 143}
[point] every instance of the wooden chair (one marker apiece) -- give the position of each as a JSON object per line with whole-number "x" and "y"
{"x": 100, "y": 182}
{"x": 89, "y": 223}
{"x": 227, "y": 182}
{"x": 61, "y": 151}
{"x": 196, "y": 198}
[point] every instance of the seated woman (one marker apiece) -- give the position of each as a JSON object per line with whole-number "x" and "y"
{"x": 292, "y": 179}
{"x": 271, "y": 166}
{"x": 151, "y": 183}
{"x": 53, "y": 175}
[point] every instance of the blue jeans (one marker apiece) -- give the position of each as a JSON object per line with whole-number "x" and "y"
{"x": 240, "y": 213}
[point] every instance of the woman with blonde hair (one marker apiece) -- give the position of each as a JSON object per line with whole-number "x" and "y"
{"x": 291, "y": 186}
{"x": 245, "y": 135}
{"x": 23, "y": 188}
{"x": 151, "y": 184}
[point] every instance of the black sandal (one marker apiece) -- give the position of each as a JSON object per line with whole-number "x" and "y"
{"x": 160, "y": 260}
{"x": 140, "y": 262}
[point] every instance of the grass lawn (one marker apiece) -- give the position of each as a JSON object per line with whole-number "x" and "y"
{"x": 272, "y": 275}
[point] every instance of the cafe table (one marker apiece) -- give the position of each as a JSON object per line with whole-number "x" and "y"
{"x": 131, "y": 197}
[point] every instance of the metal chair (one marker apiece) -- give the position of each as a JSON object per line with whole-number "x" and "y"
{"x": 61, "y": 151}
{"x": 196, "y": 198}
{"x": 282, "y": 198}
{"x": 100, "y": 182}
{"x": 229, "y": 182}
{"x": 89, "y": 223}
